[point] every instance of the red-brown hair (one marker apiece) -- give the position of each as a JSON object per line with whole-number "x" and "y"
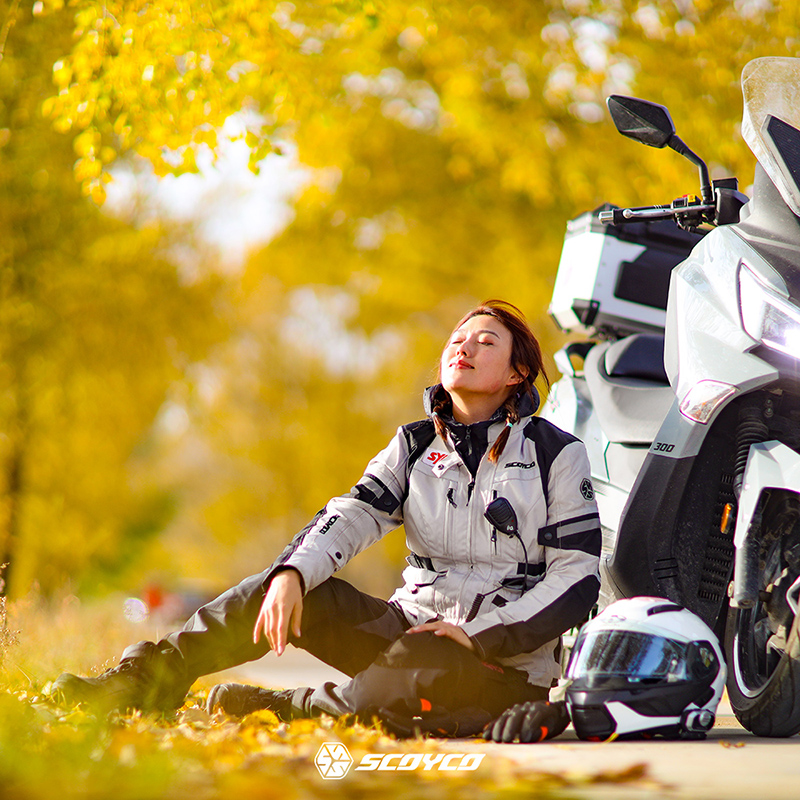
{"x": 526, "y": 361}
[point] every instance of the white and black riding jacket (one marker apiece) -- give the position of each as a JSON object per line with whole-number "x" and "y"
{"x": 513, "y": 596}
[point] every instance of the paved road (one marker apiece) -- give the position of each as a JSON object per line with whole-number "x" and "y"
{"x": 730, "y": 764}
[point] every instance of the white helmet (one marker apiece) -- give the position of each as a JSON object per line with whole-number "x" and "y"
{"x": 645, "y": 666}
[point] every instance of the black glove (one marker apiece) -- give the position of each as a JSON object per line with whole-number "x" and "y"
{"x": 528, "y": 722}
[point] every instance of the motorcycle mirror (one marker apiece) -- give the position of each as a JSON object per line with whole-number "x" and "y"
{"x": 646, "y": 122}
{"x": 651, "y": 124}
{"x": 502, "y": 516}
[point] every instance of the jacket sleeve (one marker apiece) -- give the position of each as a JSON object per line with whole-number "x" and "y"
{"x": 572, "y": 541}
{"x": 351, "y": 522}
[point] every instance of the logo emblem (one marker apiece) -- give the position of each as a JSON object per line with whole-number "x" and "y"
{"x": 435, "y": 458}
{"x": 333, "y": 760}
{"x": 587, "y": 490}
{"x": 329, "y": 524}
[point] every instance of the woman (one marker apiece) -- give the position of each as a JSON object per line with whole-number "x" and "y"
{"x": 476, "y": 626}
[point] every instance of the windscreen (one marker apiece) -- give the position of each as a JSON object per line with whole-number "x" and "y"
{"x": 624, "y": 654}
{"x": 771, "y": 89}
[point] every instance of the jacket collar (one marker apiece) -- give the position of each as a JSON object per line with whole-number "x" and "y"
{"x": 527, "y": 408}
{"x": 471, "y": 441}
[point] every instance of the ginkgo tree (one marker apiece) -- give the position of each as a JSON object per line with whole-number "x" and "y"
{"x": 450, "y": 141}
{"x": 95, "y": 325}
{"x": 505, "y": 85}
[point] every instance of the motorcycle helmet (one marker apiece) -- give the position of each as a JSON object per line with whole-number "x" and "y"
{"x": 643, "y": 667}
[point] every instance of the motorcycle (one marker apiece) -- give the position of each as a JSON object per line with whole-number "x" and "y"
{"x": 685, "y": 389}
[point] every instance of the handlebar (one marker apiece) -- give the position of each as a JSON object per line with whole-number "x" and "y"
{"x": 685, "y": 212}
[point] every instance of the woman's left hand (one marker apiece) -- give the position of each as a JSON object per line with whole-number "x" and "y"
{"x": 442, "y": 628}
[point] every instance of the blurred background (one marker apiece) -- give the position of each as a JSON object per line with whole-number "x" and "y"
{"x": 234, "y": 236}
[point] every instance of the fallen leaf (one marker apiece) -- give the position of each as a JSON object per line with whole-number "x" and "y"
{"x": 194, "y": 716}
{"x": 632, "y": 774}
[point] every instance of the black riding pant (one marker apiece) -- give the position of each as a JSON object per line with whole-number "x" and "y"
{"x": 360, "y": 635}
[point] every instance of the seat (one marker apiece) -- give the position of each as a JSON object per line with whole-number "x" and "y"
{"x": 629, "y": 387}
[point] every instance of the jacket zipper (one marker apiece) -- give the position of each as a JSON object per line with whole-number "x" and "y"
{"x": 494, "y": 530}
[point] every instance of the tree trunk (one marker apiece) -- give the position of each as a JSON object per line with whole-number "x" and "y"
{"x": 14, "y": 495}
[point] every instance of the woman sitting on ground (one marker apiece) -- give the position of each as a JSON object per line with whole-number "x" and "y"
{"x": 475, "y": 627}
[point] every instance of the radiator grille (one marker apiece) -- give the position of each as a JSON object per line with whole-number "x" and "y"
{"x": 719, "y": 549}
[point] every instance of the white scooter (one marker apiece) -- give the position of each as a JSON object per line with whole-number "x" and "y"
{"x": 689, "y": 405}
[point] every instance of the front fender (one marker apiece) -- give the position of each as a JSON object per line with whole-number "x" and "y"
{"x": 770, "y": 465}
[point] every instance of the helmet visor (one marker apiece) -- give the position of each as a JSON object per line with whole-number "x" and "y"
{"x": 636, "y": 657}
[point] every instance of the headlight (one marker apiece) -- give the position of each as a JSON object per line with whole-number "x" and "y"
{"x": 766, "y": 316}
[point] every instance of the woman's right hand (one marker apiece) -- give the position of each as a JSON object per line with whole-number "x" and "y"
{"x": 282, "y": 608}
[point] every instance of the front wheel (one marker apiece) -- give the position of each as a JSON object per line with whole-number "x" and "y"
{"x": 762, "y": 644}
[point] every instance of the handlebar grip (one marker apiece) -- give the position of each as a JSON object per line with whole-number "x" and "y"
{"x": 621, "y": 216}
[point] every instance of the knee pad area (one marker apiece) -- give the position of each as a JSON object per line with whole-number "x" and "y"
{"x": 424, "y": 650}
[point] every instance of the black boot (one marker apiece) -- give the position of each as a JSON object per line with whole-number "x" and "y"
{"x": 238, "y": 699}
{"x": 137, "y": 682}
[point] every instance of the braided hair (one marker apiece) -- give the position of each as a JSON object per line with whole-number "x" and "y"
{"x": 526, "y": 361}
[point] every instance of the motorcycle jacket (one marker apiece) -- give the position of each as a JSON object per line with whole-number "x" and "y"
{"x": 514, "y": 595}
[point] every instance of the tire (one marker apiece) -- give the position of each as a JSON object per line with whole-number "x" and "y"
{"x": 762, "y": 644}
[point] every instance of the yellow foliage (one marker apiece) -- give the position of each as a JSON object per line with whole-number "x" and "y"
{"x": 503, "y": 74}
{"x": 71, "y": 753}
{"x": 452, "y": 141}
{"x": 94, "y": 322}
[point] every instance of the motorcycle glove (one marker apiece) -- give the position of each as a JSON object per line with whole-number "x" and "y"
{"x": 529, "y": 722}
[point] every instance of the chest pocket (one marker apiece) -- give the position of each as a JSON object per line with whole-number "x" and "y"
{"x": 434, "y": 496}
{"x": 519, "y": 481}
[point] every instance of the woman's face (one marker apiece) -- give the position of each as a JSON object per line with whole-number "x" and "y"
{"x": 477, "y": 360}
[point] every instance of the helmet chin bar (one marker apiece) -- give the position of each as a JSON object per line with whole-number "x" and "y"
{"x": 629, "y": 721}
{"x": 692, "y": 721}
